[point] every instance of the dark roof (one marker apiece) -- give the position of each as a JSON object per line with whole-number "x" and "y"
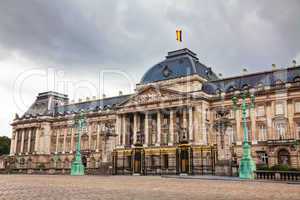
{"x": 50, "y": 103}
{"x": 177, "y": 64}
{"x": 267, "y": 78}
{"x": 94, "y": 105}
{"x": 45, "y": 103}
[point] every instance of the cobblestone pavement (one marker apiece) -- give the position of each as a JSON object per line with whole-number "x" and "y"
{"x": 36, "y": 187}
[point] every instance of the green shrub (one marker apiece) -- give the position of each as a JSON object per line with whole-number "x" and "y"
{"x": 280, "y": 168}
{"x": 262, "y": 167}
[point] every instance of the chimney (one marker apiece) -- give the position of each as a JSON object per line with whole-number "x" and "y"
{"x": 294, "y": 63}
{"x": 273, "y": 66}
{"x": 103, "y": 96}
{"x": 120, "y": 93}
{"x": 245, "y": 71}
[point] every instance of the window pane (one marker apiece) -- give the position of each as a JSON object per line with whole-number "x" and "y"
{"x": 279, "y": 109}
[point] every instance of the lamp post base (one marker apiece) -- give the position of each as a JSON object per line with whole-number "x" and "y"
{"x": 247, "y": 165}
{"x": 77, "y": 169}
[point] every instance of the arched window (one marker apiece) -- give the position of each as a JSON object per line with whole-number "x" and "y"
{"x": 92, "y": 163}
{"x": 260, "y": 86}
{"x": 297, "y": 79}
{"x": 245, "y": 87}
{"x": 52, "y": 163}
{"x": 218, "y": 91}
{"x": 279, "y": 82}
{"x": 231, "y": 89}
{"x": 283, "y": 157}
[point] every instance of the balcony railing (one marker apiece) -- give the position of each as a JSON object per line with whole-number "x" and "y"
{"x": 278, "y": 175}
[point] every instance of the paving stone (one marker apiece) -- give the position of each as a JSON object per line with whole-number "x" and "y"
{"x": 38, "y": 187}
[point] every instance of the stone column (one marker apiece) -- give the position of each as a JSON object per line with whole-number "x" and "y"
{"x": 57, "y": 138}
{"x": 135, "y": 128}
{"x": 98, "y": 138}
{"x": 253, "y": 125}
{"x": 269, "y": 121}
{"x": 118, "y": 129}
{"x": 72, "y": 140}
{"x": 22, "y": 141}
{"x": 124, "y": 130}
{"x": 191, "y": 125}
{"x": 29, "y": 140}
{"x": 12, "y": 143}
{"x": 146, "y": 129}
{"x": 37, "y": 139}
{"x": 185, "y": 125}
{"x": 238, "y": 127}
{"x": 65, "y": 139}
{"x": 290, "y": 115}
{"x": 171, "y": 128}
{"x": 16, "y": 142}
{"x": 158, "y": 139}
{"x": 89, "y": 131}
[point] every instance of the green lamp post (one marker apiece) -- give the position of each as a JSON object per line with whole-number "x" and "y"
{"x": 77, "y": 168}
{"x": 247, "y": 165}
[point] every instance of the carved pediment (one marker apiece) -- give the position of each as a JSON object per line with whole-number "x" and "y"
{"x": 152, "y": 95}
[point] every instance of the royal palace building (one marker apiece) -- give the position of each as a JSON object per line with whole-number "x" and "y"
{"x": 180, "y": 120}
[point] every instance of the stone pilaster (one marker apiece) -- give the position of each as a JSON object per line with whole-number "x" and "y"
{"x": 65, "y": 139}
{"x": 146, "y": 129}
{"x": 253, "y": 125}
{"x": 72, "y": 139}
{"x": 118, "y": 129}
{"x": 158, "y": 139}
{"x": 239, "y": 132}
{"x": 22, "y": 141}
{"x": 16, "y": 141}
{"x": 37, "y": 139}
{"x": 191, "y": 125}
{"x": 171, "y": 128}
{"x": 89, "y": 132}
{"x": 57, "y": 139}
{"x": 98, "y": 138}
{"x": 124, "y": 129}
{"x": 29, "y": 140}
{"x": 135, "y": 127}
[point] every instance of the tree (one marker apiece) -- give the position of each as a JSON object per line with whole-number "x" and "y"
{"x": 4, "y": 145}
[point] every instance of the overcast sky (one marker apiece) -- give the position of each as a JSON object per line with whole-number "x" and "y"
{"x": 64, "y": 45}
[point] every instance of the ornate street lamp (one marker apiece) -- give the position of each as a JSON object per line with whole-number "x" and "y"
{"x": 247, "y": 165}
{"x": 77, "y": 168}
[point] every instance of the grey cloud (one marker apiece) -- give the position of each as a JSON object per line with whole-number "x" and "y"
{"x": 228, "y": 35}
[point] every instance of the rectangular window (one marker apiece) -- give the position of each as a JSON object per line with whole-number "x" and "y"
{"x": 297, "y": 107}
{"x": 262, "y": 132}
{"x": 298, "y": 130}
{"x": 279, "y": 109}
{"x": 281, "y": 130}
{"x": 260, "y": 111}
{"x": 263, "y": 158}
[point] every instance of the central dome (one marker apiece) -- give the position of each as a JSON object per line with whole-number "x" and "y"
{"x": 179, "y": 63}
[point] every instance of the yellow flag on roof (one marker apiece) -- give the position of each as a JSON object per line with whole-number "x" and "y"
{"x": 179, "y": 35}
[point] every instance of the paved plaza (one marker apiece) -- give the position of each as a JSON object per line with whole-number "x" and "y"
{"x": 36, "y": 187}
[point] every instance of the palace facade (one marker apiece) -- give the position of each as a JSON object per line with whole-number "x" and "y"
{"x": 172, "y": 124}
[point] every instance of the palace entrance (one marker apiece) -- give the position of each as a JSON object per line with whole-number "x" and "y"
{"x": 183, "y": 159}
{"x": 137, "y": 160}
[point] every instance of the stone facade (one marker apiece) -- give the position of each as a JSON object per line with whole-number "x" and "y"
{"x": 167, "y": 126}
